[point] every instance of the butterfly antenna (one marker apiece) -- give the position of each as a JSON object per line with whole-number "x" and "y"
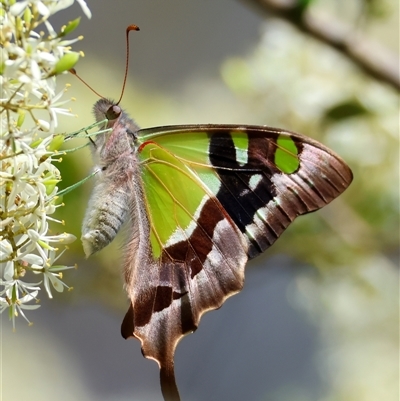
{"x": 128, "y": 30}
{"x": 73, "y": 72}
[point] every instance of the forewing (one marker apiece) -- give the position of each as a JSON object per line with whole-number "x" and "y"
{"x": 263, "y": 177}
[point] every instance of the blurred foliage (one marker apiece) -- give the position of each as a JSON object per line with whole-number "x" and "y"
{"x": 347, "y": 109}
{"x": 291, "y": 81}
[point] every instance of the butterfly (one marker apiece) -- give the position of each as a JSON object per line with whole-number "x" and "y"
{"x": 199, "y": 202}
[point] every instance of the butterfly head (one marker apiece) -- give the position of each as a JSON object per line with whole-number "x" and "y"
{"x": 106, "y": 109}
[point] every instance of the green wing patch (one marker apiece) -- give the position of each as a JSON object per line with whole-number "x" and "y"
{"x": 286, "y": 155}
{"x": 173, "y": 193}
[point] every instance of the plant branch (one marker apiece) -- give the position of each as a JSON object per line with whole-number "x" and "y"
{"x": 370, "y": 56}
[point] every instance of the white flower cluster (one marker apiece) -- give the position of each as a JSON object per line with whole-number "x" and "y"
{"x": 30, "y": 60}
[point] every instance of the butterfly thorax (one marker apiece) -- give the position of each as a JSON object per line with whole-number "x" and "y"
{"x": 119, "y": 140}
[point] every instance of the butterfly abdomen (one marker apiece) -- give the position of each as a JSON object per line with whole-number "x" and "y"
{"x": 104, "y": 217}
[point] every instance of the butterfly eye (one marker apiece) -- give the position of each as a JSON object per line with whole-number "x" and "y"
{"x": 113, "y": 112}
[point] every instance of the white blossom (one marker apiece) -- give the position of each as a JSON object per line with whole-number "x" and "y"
{"x": 32, "y": 55}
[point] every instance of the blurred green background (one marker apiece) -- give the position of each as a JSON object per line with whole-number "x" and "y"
{"x": 318, "y": 318}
